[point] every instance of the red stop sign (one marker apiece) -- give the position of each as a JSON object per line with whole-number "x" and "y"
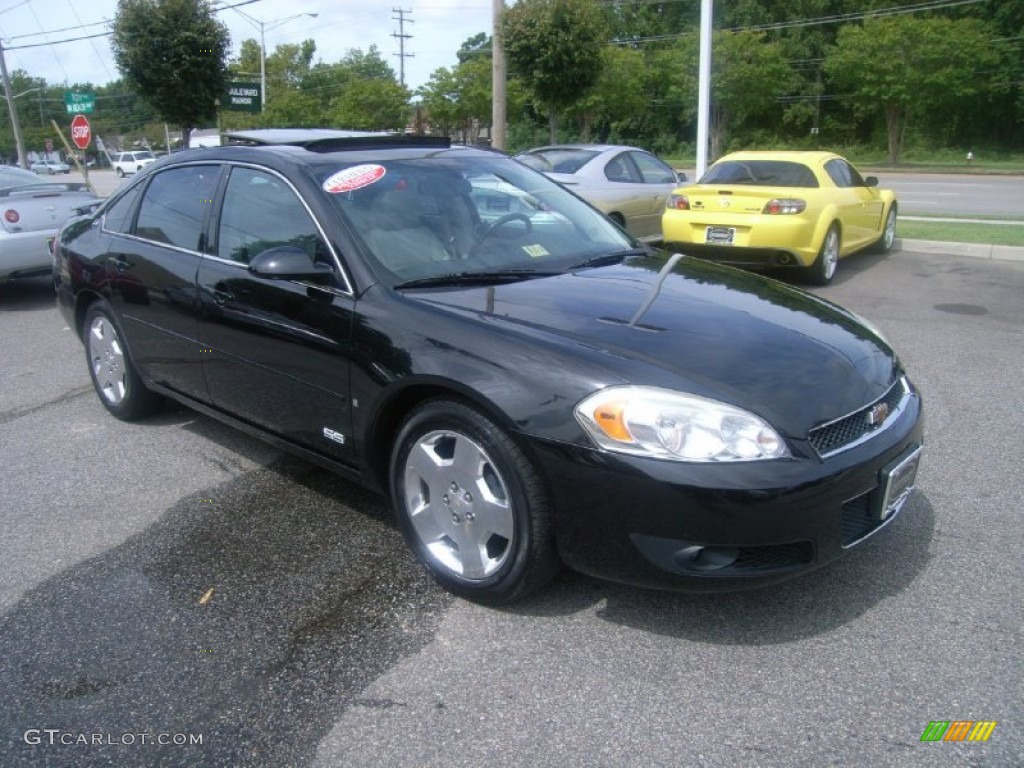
{"x": 81, "y": 133}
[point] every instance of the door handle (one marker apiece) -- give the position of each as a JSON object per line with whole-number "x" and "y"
{"x": 221, "y": 295}
{"x": 121, "y": 264}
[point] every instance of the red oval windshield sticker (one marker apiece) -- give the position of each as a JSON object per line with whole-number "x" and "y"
{"x": 356, "y": 177}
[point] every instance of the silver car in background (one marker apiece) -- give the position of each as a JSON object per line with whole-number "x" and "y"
{"x": 31, "y": 212}
{"x": 629, "y": 184}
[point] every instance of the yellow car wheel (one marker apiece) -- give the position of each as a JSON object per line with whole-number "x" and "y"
{"x": 823, "y": 269}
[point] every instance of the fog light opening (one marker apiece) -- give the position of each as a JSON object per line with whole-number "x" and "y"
{"x": 785, "y": 259}
{"x": 698, "y": 558}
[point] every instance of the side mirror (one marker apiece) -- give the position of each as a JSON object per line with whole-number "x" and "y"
{"x": 681, "y": 177}
{"x": 286, "y": 262}
{"x": 871, "y": 181}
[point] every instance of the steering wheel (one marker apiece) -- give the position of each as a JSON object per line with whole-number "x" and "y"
{"x": 497, "y": 223}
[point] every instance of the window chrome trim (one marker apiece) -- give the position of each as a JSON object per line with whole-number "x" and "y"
{"x": 348, "y": 291}
{"x": 889, "y": 420}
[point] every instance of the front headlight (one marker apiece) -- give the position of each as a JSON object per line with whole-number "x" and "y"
{"x": 661, "y": 423}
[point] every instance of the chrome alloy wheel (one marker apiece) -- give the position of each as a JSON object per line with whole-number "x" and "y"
{"x": 830, "y": 254}
{"x": 889, "y": 236}
{"x": 106, "y": 356}
{"x": 459, "y": 505}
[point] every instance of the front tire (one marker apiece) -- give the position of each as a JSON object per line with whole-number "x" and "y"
{"x": 471, "y": 505}
{"x": 823, "y": 269}
{"x": 114, "y": 378}
{"x": 885, "y": 242}
{"x": 119, "y": 172}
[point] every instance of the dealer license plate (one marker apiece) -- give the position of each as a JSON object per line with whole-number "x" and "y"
{"x": 719, "y": 235}
{"x": 899, "y": 482}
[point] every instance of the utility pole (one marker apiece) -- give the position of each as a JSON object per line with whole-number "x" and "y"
{"x": 402, "y": 37}
{"x": 498, "y": 80}
{"x": 18, "y": 140}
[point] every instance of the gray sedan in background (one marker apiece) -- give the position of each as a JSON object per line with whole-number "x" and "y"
{"x": 627, "y": 183}
{"x": 31, "y": 212}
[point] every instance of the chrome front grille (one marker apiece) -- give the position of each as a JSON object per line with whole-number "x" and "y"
{"x": 853, "y": 429}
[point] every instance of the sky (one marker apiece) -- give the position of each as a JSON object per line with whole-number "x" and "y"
{"x": 438, "y": 28}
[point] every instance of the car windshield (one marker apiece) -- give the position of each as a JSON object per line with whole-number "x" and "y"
{"x": 460, "y": 214}
{"x": 760, "y": 173}
{"x": 557, "y": 159}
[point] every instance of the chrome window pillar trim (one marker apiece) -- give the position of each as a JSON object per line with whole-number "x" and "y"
{"x": 349, "y": 289}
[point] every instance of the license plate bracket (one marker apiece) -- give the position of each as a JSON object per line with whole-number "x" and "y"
{"x": 719, "y": 235}
{"x": 898, "y": 483}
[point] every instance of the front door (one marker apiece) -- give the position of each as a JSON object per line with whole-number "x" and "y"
{"x": 277, "y": 350}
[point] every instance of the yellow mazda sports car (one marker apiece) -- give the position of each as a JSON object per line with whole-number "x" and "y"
{"x": 781, "y": 209}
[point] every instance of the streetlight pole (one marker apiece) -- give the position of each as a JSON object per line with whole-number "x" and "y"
{"x": 262, "y": 27}
{"x": 15, "y": 124}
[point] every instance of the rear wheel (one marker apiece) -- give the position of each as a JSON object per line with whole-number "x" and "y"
{"x": 113, "y": 376}
{"x": 823, "y": 269}
{"x": 119, "y": 172}
{"x": 471, "y": 505}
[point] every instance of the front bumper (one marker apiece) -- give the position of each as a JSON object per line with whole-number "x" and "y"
{"x": 709, "y": 527}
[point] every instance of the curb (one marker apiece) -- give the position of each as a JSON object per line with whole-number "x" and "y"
{"x": 973, "y": 250}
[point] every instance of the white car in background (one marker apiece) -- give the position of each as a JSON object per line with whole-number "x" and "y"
{"x": 31, "y": 212}
{"x": 127, "y": 163}
{"x": 628, "y": 184}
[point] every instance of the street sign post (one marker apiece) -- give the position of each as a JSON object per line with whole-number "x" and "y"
{"x": 81, "y": 132}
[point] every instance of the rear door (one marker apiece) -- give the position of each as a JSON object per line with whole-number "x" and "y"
{"x": 157, "y": 233}
{"x": 277, "y": 350}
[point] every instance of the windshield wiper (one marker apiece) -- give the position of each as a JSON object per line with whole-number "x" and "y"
{"x": 606, "y": 259}
{"x": 476, "y": 278}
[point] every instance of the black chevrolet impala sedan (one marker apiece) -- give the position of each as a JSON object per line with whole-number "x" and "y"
{"x": 528, "y": 384}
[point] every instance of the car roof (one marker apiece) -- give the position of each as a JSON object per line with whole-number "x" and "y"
{"x": 794, "y": 155}
{"x": 299, "y": 136}
{"x": 590, "y": 147}
{"x": 292, "y": 147}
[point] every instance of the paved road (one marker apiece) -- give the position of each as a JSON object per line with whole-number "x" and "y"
{"x": 323, "y": 644}
{"x": 960, "y": 195}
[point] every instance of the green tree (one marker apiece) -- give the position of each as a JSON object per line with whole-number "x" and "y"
{"x": 555, "y": 46}
{"x": 173, "y": 54}
{"x": 617, "y": 95}
{"x": 371, "y": 105}
{"x": 749, "y": 73}
{"x": 903, "y": 66}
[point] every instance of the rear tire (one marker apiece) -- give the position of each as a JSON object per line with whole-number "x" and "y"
{"x": 471, "y": 505}
{"x": 824, "y": 267}
{"x": 114, "y": 377}
{"x": 119, "y": 172}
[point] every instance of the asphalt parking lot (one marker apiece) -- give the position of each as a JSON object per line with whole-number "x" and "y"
{"x": 323, "y": 644}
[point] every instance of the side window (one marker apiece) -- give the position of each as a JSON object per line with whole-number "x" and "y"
{"x": 621, "y": 169}
{"x": 839, "y": 172}
{"x": 175, "y": 204}
{"x": 652, "y": 170}
{"x": 118, "y": 217}
{"x": 856, "y": 180}
{"x": 261, "y": 211}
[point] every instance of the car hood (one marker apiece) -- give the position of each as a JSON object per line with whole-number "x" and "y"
{"x": 794, "y": 359}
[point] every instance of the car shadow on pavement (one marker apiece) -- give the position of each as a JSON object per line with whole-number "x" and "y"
{"x": 248, "y": 615}
{"x": 27, "y": 295}
{"x": 811, "y": 604}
